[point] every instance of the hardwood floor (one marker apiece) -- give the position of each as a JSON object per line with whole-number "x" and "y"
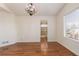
{"x": 33, "y": 49}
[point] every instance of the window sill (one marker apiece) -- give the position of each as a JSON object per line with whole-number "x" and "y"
{"x": 76, "y": 40}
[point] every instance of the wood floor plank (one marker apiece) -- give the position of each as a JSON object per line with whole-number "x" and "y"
{"x": 34, "y": 49}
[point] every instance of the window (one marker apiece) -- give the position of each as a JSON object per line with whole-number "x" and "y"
{"x": 71, "y": 25}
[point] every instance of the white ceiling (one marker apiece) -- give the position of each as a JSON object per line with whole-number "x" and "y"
{"x": 43, "y": 9}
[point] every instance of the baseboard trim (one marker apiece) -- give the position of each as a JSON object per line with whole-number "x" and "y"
{"x": 34, "y": 42}
{"x": 4, "y": 45}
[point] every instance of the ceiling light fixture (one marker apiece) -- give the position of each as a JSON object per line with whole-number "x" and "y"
{"x": 30, "y": 9}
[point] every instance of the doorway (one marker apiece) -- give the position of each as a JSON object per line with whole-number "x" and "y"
{"x": 44, "y": 28}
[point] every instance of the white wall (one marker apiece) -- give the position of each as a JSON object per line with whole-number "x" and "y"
{"x": 68, "y": 43}
{"x": 7, "y": 29}
{"x": 29, "y": 28}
